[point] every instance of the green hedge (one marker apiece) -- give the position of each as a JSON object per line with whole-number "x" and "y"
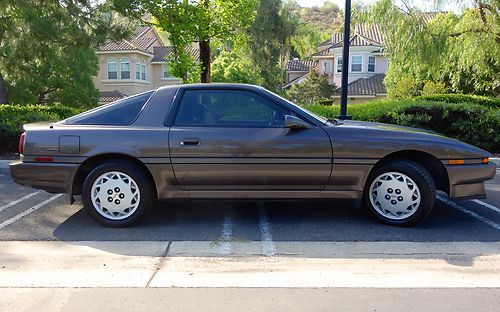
{"x": 12, "y": 118}
{"x": 462, "y": 98}
{"x": 469, "y": 122}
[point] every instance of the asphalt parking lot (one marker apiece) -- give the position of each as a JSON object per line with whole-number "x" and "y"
{"x": 256, "y": 245}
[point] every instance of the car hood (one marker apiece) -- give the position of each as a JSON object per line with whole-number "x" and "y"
{"x": 387, "y": 138}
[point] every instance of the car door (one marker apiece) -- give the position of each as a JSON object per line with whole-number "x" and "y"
{"x": 229, "y": 139}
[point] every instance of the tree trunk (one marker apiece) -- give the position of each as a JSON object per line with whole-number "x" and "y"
{"x": 205, "y": 60}
{"x": 3, "y": 91}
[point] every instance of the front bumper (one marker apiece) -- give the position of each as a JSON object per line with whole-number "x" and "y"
{"x": 50, "y": 177}
{"x": 467, "y": 181}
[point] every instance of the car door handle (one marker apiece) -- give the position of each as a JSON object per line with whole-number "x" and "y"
{"x": 190, "y": 142}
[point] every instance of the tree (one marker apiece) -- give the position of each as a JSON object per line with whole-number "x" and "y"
{"x": 234, "y": 66}
{"x": 264, "y": 42}
{"x": 47, "y": 49}
{"x": 189, "y": 21}
{"x": 463, "y": 51}
{"x": 313, "y": 89}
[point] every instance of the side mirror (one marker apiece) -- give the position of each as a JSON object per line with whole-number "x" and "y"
{"x": 293, "y": 122}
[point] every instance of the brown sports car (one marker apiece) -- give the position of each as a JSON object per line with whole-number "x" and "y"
{"x": 241, "y": 141}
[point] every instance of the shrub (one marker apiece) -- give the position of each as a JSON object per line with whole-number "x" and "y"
{"x": 404, "y": 88}
{"x": 431, "y": 87}
{"x": 12, "y": 118}
{"x": 463, "y": 98}
{"x": 469, "y": 122}
{"x": 315, "y": 88}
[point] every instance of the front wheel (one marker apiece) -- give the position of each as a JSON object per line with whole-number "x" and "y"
{"x": 400, "y": 193}
{"x": 117, "y": 194}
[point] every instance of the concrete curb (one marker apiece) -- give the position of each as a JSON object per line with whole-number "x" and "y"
{"x": 4, "y": 164}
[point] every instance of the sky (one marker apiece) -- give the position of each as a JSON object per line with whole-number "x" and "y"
{"x": 425, "y": 5}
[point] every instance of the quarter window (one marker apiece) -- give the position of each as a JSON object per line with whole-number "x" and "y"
{"x": 228, "y": 108}
{"x": 112, "y": 70}
{"x": 356, "y": 63}
{"x": 124, "y": 68}
{"x": 371, "y": 64}
{"x": 121, "y": 112}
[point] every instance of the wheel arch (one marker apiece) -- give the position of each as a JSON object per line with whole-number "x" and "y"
{"x": 88, "y": 165}
{"x": 433, "y": 165}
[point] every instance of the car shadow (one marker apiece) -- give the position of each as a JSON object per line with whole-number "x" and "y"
{"x": 311, "y": 221}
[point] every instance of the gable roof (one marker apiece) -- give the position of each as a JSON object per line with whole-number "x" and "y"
{"x": 366, "y": 86}
{"x": 301, "y": 65}
{"x": 138, "y": 41}
{"x": 163, "y": 54}
{"x": 362, "y": 35}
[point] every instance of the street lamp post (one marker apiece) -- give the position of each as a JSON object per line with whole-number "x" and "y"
{"x": 345, "y": 62}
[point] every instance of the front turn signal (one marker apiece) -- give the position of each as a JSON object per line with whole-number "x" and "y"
{"x": 456, "y": 162}
{"x": 485, "y": 160}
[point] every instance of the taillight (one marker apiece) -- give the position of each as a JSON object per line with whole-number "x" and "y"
{"x": 21, "y": 143}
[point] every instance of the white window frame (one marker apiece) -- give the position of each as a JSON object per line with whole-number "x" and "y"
{"x": 339, "y": 64}
{"x": 357, "y": 63}
{"x": 143, "y": 70}
{"x": 371, "y": 57}
{"x": 137, "y": 70}
{"x": 124, "y": 61}
{"x": 112, "y": 61}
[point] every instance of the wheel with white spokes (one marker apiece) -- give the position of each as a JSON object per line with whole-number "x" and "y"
{"x": 116, "y": 194}
{"x": 400, "y": 193}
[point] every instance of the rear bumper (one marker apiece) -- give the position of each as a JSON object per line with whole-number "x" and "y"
{"x": 467, "y": 181}
{"x": 50, "y": 177}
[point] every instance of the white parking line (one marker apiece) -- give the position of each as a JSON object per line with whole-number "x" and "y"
{"x": 18, "y": 200}
{"x": 470, "y": 213}
{"x": 482, "y": 203}
{"x": 268, "y": 246}
{"x": 27, "y": 212}
{"x": 226, "y": 235}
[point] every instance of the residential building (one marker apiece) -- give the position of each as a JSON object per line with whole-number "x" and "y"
{"x": 367, "y": 65}
{"x": 135, "y": 65}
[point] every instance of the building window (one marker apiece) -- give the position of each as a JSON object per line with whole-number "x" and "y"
{"x": 356, "y": 63}
{"x": 339, "y": 65}
{"x": 371, "y": 64}
{"x": 166, "y": 73}
{"x": 112, "y": 72}
{"x": 143, "y": 70}
{"x": 137, "y": 71}
{"x": 327, "y": 67}
{"x": 124, "y": 68}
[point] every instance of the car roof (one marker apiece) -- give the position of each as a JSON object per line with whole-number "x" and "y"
{"x": 218, "y": 85}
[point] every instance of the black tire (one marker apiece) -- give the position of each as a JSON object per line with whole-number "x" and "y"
{"x": 421, "y": 178}
{"x": 144, "y": 185}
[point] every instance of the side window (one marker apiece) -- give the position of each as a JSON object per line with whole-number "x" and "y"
{"x": 122, "y": 112}
{"x": 228, "y": 108}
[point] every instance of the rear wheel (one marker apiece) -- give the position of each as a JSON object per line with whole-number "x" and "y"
{"x": 117, "y": 194}
{"x": 400, "y": 193}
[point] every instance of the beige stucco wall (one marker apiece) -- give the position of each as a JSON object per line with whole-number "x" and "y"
{"x": 293, "y": 75}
